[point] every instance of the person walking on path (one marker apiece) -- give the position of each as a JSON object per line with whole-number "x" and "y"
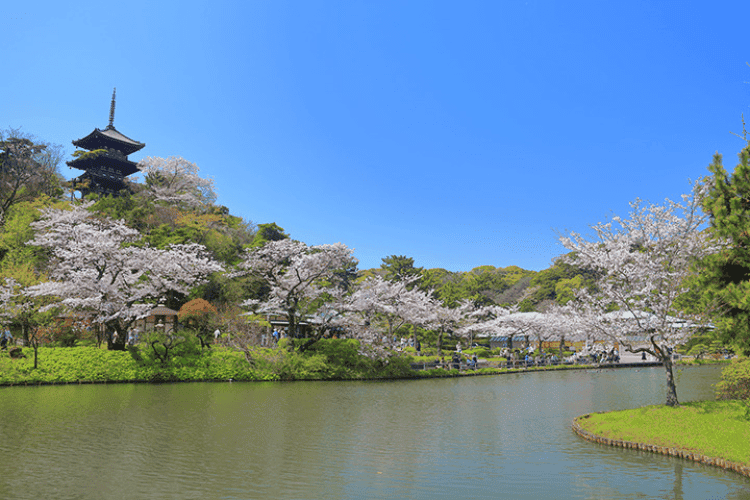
{"x": 5, "y": 338}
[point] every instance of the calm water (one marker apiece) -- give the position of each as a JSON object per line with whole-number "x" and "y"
{"x": 484, "y": 437}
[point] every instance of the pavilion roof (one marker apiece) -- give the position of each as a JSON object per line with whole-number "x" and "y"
{"x": 161, "y": 310}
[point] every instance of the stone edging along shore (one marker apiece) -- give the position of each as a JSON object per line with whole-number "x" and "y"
{"x": 664, "y": 450}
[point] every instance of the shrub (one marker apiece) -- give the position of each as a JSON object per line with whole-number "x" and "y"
{"x": 66, "y": 336}
{"x": 164, "y": 347}
{"x": 342, "y": 357}
{"x": 735, "y": 383}
{"x": 481, "y": 352}
{"x": 735, "y": 380}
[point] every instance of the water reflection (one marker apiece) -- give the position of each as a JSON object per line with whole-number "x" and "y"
{"x": 504, "y": 436}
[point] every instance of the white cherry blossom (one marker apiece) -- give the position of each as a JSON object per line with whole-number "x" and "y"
{"x": 644, "y": 261}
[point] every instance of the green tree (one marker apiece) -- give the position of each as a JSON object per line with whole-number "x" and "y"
{"x": 544, "y": 285}
{"x": 565, "y": 289}
{"x": 268, "y": 232}
{"x": 725, "y": 275}
{"x": 398, "y": 267}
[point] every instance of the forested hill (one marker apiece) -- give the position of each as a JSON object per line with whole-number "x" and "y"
{"x": 485, "y": 285}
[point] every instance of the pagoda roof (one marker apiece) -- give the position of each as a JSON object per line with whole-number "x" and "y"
{"x": 115, "y": 162}
{"x": 111, "y": 138}
{"x": 104, "y": 183}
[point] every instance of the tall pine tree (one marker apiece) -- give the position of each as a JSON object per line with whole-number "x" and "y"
{"x": 725, "y": 275}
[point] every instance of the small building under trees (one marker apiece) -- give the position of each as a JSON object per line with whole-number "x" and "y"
{"x": 106, "y": 163}
{"x": 159, "y": 315}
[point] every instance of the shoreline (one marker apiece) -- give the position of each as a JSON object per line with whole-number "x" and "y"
{"x": 672, "y": 451}
{"x": 416, "y": 375}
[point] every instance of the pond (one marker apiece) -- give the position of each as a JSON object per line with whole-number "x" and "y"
{"x": 495, "y": 436}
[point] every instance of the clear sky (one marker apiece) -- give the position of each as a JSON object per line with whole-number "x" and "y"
{"x": 459, "y": 133}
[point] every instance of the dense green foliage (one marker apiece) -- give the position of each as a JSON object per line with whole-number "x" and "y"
{"x": 487, "y": 285}
{"x": 268, "y": 232}
{"x": 396, "y": 267}
{"x": 558, "y": 282}
{"x": 725, "y": 276}
{"x": 482, "y": 285}
{"x": 735, "y": 380}
{"x": 329, "y": 359}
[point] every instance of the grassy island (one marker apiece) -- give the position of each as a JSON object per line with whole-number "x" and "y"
{"x": 717, "y": 429}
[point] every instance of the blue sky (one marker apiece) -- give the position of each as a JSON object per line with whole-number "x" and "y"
{"x": 457, "y": 133}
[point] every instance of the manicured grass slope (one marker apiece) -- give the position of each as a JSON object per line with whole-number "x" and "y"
{"x": 88, "y": 364}
{"x": 714, "y": 428}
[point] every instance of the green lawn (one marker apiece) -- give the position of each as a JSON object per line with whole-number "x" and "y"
{"x": 713, "y": 428}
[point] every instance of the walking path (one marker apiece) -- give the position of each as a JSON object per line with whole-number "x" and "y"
{"x": 630, "y": 358}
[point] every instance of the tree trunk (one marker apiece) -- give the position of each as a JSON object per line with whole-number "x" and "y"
{"x": 671, "y": 387}
{"x": 440, "y": 343}
{"x": 291, "y": 316}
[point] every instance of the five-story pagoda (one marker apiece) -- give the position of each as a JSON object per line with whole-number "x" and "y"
{"x": 106, "y": 163}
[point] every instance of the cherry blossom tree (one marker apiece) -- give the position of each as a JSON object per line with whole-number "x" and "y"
{"x": 566, "y": 323}
{"x": 391, "y": 302}
{"x": 449, "y": 320}
{"x": 34, "y": 314}
{"x": 533, "y": 324}
{"x": 298, "y": 276}
{"x": 176, "y": 181}
{"x": 6, "y": 295}
{"x": 475, "y": 318}
{"x": 644, "y": 261}
{"x": 97, "y": 265}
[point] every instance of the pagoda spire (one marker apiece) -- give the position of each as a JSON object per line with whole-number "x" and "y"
{"x": 112, "y": 110}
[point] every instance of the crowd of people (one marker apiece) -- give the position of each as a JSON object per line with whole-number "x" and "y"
{"x": 524, "y": 358}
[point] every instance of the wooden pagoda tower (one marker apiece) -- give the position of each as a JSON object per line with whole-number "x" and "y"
{"x": 106, "y": 164}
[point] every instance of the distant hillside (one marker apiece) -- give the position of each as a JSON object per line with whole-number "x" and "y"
{"x": 504, "y": 286}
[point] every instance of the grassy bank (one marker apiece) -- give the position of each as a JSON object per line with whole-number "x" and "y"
{"x": 331, "y": 360}
{"x": 89, "y": 364}
{"x": 327, "y": 360}
{"x": 718, "y": 429}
